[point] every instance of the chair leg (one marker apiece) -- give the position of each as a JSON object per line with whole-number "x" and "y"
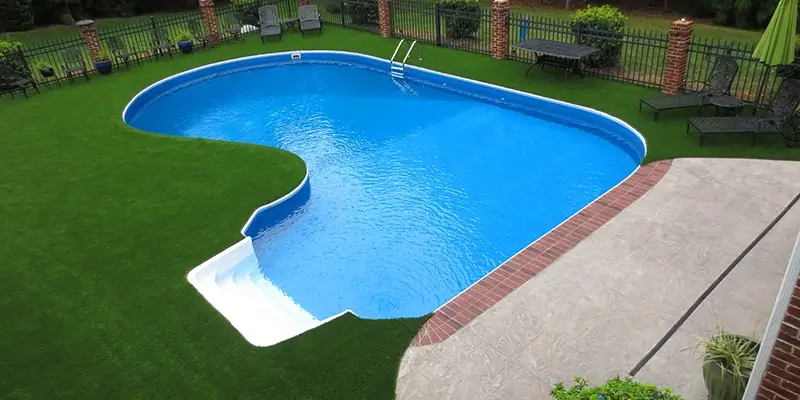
{"x": 754, "y": 140}
{"x": 655, "y": 116}
{"x": 702, "y": 139}
{"x": 640, "y": 106}
{"x": 25, "y": 93}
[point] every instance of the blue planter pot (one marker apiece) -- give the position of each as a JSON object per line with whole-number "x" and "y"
{"x": 103, "y": 67}
{"x": 185, "y": 47}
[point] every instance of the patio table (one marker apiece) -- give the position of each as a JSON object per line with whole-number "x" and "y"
{"x": 563, "y": 55}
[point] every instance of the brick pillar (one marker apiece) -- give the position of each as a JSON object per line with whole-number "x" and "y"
{"x": 385, "y": 18}
{"x": 500, "y": 29}
{"x": 304, "y": 3}
{"x": 90, "y": 37}
{"x": 210, "y": 20}
{"x": 782, "y": 378}
{"x": 680, "y": 36}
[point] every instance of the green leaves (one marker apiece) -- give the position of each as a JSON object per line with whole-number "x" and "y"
{"x": 600, "y": 27}
{"x": 614, "y": 389}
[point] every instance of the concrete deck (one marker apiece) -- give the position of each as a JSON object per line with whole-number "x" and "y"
{"x": 598, "y": 309}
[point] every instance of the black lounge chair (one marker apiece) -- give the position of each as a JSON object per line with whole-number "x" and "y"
{"x": 309, "y": 19}
{"x": 161, "y": 42}
{"x": 11, "y": 81}
{"x": 773, "y": 119}
{"x": 269, "y": 22}
{"x": 121, "y": 52}
{"x": 199, "y": 33}
{"x": 74, "y": 64}
{"x": 719, "y": 82}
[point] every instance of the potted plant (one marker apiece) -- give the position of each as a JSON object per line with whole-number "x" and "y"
{"x": 46, "y": 70}
{"x": 184, "y": 39}
{"x": 103, "y": 63}
{"x": 728, "y": 360}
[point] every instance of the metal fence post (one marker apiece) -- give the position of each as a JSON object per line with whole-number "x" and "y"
{"x": 344, "y": 10}
{"x": 438, "y": 23}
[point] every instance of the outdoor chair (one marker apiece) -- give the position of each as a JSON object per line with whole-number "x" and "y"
{"x": 309, "y": 19}
{"x": 269, "y": 22}
{"x": 74, "y": 64}
{"x": 233, "y": 26}
{"x": 199, "y": 33}
{"x": 161, "y": 42}
{"x": 718, "y": 82}
{"x": 773, "y": 119}
{"x": 11, "y": 81}
{"x": 121, "y": 52}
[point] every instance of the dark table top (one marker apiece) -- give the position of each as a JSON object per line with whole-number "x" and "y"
{"x": 557, "y": 49}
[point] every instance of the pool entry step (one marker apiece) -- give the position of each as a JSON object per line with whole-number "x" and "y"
{"x": 397, "y": 69}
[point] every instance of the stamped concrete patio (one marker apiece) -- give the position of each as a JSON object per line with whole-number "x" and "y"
{"x": 601, "y": 307}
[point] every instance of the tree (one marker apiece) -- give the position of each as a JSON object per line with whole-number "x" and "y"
{"x": 16, "y": 15}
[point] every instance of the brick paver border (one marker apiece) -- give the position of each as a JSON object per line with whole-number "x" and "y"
{"x": 492, "y": 288}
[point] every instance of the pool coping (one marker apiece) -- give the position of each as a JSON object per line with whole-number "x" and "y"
{"x": 534, "y": 258}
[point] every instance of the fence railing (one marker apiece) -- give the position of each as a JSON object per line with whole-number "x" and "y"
{"x": 635, "y": 56}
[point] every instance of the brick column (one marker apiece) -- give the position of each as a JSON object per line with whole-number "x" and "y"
{"x": 90, "y": 37}
{"x": 782, "y": 378}
{"x": 680, "y": 36}
{"x": 304, "y": 3}
{"x": 210, "y": 20}
{"x": 500, "y": 41}
{"x": 385, "y": 18}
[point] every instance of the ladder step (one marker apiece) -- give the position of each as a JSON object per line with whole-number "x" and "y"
{"x": 396, "y": 68}
{"x": 397, "y": 75}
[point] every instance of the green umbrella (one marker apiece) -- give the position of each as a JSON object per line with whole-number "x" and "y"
{"x": 776, "y": 46}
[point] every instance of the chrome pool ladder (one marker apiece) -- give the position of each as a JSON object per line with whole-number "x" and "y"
{"x": 396, "y": 68}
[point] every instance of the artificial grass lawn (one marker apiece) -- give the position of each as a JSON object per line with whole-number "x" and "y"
{"x": 101, "y": 222}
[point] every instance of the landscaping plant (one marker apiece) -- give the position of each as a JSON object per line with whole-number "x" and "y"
{"x": 182, "y": 35}
{"x": 462, "y": 18}
{"x": 728, "y": 360}
{"x": 363, "y": 12}
{"x": 601, "y": 27}
{"x": 614, "y": 389}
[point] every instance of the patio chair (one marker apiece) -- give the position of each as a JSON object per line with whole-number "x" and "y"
{"x": 773, "y": 119}
{"x": 199, "y": 32}
{"x": 309, "y": 19}
{"x": 269, "y": 22}
{"x": 161, "y": 42}
{"x": 718, "y": 82}
{"x": 121, "y": 52}
{"x": 233, "y": 26}
{"x": 74, "y": 64}
{"x": 11, "y": 81}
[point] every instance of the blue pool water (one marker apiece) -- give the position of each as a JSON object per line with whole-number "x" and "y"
{"x": 416, "y": 191}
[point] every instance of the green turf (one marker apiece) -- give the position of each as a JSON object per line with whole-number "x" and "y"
{"x": 100, "y": 224}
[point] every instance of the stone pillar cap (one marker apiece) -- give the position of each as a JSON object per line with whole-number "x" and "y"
{"x": 84, "y": 22}
{"x": 500, "y": 1}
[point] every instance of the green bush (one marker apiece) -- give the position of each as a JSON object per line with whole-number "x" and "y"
{"x": 8, "y": 45}
{"x": 363, "y": 12}
{"x": 600, "y": 27}
{"x": 614, "y": 389}
{"x": 462, "y": 18}
{"x": 16, "y": 15}
{"x": 743, "y": 13}
{"x": 247, "y": 11}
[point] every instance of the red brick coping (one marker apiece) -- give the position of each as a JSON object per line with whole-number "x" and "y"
{"x": 465, "y": 307}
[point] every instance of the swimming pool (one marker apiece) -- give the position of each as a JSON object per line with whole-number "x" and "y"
{"x": 416, "y": 188}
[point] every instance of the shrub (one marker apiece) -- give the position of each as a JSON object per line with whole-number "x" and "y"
{"x": 16, "y": 15}
{"x": 363, "y": 12}
{"x": 8, "y": 45}
{"x": 743, "y": 13}
{"x": 334, "y": 7}
{"x": 183, "y": 35}
{"x": 462, "y": 18}
{"x": 600, "y": 27}
{"x": 614, "y": 389}
{"x": 247, "y": 11}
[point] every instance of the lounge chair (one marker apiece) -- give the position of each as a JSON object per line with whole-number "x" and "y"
{"x": 718, "y": 82}
{"x": 309, "y": 19}
{"x": 11, "y": 81}
{"x": 121, "y": 52}
{"x": 161, "y": 42}
{"x": 269, "y": 22}
{"x": 74, "y": 64}
{"x": 199, "y": 33}
{"x": 773, "y": 118}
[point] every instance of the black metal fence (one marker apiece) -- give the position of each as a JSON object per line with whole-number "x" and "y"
{"x": 635, "y": 56}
